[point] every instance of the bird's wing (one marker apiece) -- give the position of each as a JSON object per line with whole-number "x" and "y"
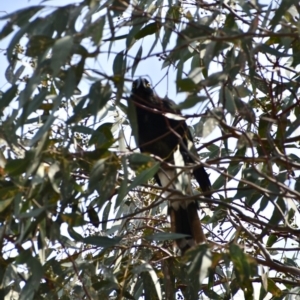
{"x": 191, "y": 156}
{"x": 162, "y": 131}
{"x": 187, "y": 147}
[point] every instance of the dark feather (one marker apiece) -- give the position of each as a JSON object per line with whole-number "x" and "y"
{"x": 161, "y": 130}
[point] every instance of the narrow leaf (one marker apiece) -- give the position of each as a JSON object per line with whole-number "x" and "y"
{"x": 144, "y": 176}
{"x": 118, "y": 64}
{"x": 165, "y": 236}
{"x": 61, "y": 51}
{"x": 102, "y": 241}
{"x": 191, "y": 101}
{"x": 148, "y": 30}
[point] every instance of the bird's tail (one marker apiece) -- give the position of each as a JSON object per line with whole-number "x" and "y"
{"x": 185, "y": 220}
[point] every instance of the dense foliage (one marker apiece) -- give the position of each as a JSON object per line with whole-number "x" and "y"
{"x": 81, "y": 216}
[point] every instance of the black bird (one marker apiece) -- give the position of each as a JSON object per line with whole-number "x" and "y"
{"x": 162, "y": 131}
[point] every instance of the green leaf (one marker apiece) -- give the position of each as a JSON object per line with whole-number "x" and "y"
{"x": 166, "y": 37}
{"x": 33, "y": 213}
{"x": 9, "y": 74}
{"x": 16, "y": 39}
{"x": 44, "y": 129}
{"x": 93, "y": 216}
{"x": 212, "y": 295}
{"x": 290, "y": 262}
{"x": 293, "y": 126}
{"x": 102, "y": 137}
{"x": 119, "y": 69}
{"x": 99, "y": 95}
{"x": 63, "y": 19}
{"x": 32, "y": 106}
{"x": 210, "y": 53}
{"x": 12, "y": 77}
{"x": 131, "y": 113}
{"x": 213, "y": 49}
{"x": 38, "y": 44}
{"x": 241, "y": 91}
{"x": 296, "y": 53}
{"x": 263, "y": 203}
{"x": 245, "y": 268}
{"x": 148, "y": 30}
{"x": 233, "y": 169}
{"x": 227, "y": 99}
{"x": 214, "y": 79}
{"x": 61, "y": 53}
{"x": 234, "y": 288}
{"x": 144, "y": 176}
{"x": 186, "y": 85}
{"x": 245, "y": 110}
{"x": 139, "y": 159}
{"x": 297, "y": 184}
{"x": 5, "y": 203}
{"x": 174, "y": 13}
{"x": 278, "y": 212}
{"x": 33, "y": 282}
{"x": 193, "y": 31}
{"x": 201, "y": 261}
{"x": 251, "y": 174}
{"x": 123, "y": 191}
{"x": 137, "y": 59}
{"x": 82, "y": 129}
{"x": 74, "y": 235}
{"x": 280, "y": 11}
{"x": 165, "y": 236}
{"x": 190, "y": 101}
{"x": 208, "y": 123}
{"x": 7, "y": 29}
{"x": 263, "y": 48}
{"x": 16, "y": 167}
{"x": 119, "y": 6}
{"x": 246, "y": 140}
{"x": 18, "y": 73}
{"x": 151, "y": 282}
{"x": 103, "y": 178}
{"x": 130, "y": 38}
{"x": 105, "y": 216}
{"x": 157, "y": 38}
{"x": 22, "y": 16}
{"x": 230, "y": 22}
{"x": 273, "y": 288}
{"x": 119, "y": 64}
{"x": 261, "y": 84}
{"x": 272, "y": 239}
{"x": 8, "y": 96}
{"x": 96, "y": 30}
{"x": 102, "y": 241}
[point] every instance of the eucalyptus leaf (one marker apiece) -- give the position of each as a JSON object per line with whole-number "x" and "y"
{"x": 102, "y": 241}
{"x": 144, "y": 176}
{"x": 164, "y": 236}
{"x": 61, "y": 51}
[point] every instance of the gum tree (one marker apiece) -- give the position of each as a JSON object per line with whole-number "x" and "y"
{"x": 81, "y": 216}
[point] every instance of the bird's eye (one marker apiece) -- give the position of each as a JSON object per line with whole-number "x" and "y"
{"x": 148, "y": 84}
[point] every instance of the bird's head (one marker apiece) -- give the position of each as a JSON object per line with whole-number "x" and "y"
{"x": 141, "y": 87}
